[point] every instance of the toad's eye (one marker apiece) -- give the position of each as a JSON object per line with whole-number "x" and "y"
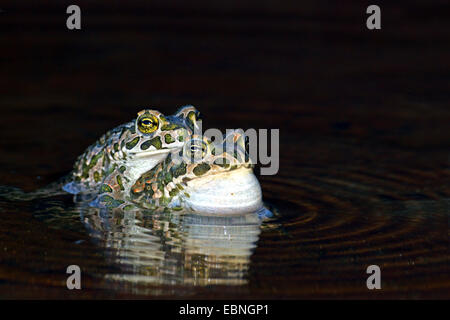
{"x": 196, "y": 149}
{"x": 147, "y": 123}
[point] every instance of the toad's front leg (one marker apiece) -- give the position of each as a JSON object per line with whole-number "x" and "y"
{"x": 113, "y": 192}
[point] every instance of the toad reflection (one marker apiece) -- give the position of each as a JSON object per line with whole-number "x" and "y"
{"x": 190, "y": 249}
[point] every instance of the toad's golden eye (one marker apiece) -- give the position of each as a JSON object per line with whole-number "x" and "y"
{"x": 147, "y": 123}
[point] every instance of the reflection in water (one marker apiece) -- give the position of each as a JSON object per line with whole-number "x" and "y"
{"x": 317, "y": 240}
{"x": 176, "y": 248}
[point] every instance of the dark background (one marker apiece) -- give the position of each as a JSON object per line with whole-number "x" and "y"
{"x": 345, "y": 99}
{"x": 301, "y": 66}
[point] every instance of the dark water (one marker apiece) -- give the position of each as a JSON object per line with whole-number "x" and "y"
{"x": 364, "y": 149}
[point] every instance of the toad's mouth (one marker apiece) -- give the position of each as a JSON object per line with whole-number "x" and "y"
{"x": 151, "y": 153}
{"x": 231, "y": 192}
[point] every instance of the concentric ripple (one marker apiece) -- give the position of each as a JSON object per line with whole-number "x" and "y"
{"x": 334, "y": 224}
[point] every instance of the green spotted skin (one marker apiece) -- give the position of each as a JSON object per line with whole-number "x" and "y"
{"x": 164, "y": 186}
{"x": 110, "y": 164}
{"x": 129, "y": 168}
